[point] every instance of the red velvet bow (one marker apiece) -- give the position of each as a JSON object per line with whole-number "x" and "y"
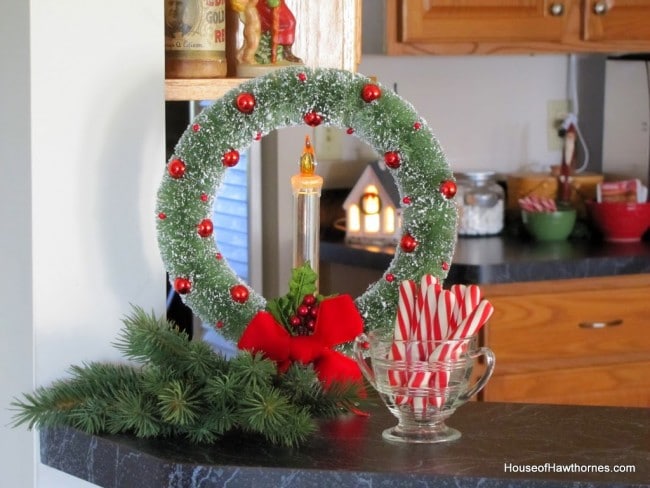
{"x": 338, "y": 321}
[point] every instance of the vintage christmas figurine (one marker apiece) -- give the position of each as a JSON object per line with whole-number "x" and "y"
{"x": 269, "y": 34}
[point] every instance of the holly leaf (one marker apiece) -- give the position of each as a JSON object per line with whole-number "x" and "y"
{"x": 303, "y": 282}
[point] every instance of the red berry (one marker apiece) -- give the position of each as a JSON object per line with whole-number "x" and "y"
{"x": 313, "y": 312}
{"x": 176, "y": 168}
{"x": 309, "y": 300}
{"x": 302, "y": 310}
{"x": 311, "y": 325}
{"x": 294, "y": 321}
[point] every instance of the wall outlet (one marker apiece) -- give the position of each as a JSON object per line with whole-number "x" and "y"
{"x": 556, "y": 112}
{"x": 328, "y": 143}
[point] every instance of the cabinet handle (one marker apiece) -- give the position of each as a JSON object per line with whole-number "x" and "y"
{"x": 601, "y": 7}
{"x": 556, "y": 9}
{"x": 600, "y": 325}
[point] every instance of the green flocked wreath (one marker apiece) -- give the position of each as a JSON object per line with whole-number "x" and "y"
{"x": 289, "y": 97}
{"x": 183, "y": 388}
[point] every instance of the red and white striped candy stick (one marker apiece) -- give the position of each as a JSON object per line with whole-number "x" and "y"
{"x": 474, "y": 321}
{"x": 402, "y": 333}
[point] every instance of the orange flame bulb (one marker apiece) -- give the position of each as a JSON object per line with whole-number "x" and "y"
{"x": 307, "y": 160}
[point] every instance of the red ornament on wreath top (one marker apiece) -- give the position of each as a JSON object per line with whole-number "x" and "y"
{"x": 370, "y": 92}
{"x": 313, "y": 119}
{"x": 245, "y": 102}
{"x": 182, "y": 286}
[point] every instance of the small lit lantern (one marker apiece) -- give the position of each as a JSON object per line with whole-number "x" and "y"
{"x": 371, "y": 208}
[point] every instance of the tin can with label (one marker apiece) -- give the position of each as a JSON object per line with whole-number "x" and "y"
{"x": 195, "y": 39}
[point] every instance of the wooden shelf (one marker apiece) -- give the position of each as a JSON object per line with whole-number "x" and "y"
{"x": 199, "y": 88}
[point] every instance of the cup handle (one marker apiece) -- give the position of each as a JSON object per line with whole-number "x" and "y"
{"x": 361, "y": 344}
{"x": 482, "y": 381}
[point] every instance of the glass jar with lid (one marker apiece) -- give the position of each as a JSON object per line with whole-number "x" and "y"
{"x": 480, "y": 203}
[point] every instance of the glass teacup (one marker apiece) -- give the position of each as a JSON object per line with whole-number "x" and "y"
{"x": 422, "y": 382}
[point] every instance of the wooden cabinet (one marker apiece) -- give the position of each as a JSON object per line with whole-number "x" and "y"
{"x": 583, "y": 341}
{"x": 328, "y": 35}
{"x": 517, "y": 26}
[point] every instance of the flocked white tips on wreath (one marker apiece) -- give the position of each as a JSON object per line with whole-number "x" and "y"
{"x": 290, "y": 97}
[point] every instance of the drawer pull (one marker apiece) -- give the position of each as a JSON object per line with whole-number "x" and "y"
{"x": 600, "y": 325}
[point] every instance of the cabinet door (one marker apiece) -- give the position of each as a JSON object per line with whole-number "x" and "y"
{"x": 615, "y": 21}
{"x": 482, "y": 20}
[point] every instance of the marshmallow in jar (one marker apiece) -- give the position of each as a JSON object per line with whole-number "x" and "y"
{"x": 480, "y": 203}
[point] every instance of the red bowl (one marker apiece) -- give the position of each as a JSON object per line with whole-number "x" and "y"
{"x": 620, "y": 221}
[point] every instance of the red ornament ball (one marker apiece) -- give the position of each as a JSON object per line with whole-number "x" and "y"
{"x": 448, "y": 189}
{"x": 239, "y": 293}
{"x": 219, "y": 324}
{"x": 205, "y": 228}
{"x": 182, "y": 286}
{"x": 417, "y": 126}
{"x": 231, "y": 158}
{"x": 196, "y": 127}
{"x": 392, "y": 160}
{"x": 219, "y": 256}
{"x": 407, "y": 200}
{"x": 349, "y": 131}
{"x": 302, "y": 77}
{"x": 258, "y": 136}
{"x": 313, "y": 119}
{"x": 204, "y": 197}
{"x": 370, "y": 92}
{"x": 245, "y": 102}
{"x": 390, "y": 277}
{"x": 445, "y": 266}
{"x": 176, "y": 168}
{"x": 162, "y": 215}
{"x": 408, "y": 243}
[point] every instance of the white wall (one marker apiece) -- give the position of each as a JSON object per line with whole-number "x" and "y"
{"x": 488, "y": 112}
{"x": 96, "y": 156}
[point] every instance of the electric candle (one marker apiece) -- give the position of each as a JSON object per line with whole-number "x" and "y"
{"x": 306, "y": 187}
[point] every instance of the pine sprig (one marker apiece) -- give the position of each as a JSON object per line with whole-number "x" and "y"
{"x": 182, "y": 388}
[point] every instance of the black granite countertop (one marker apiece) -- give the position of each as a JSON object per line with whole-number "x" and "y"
{"x": 502, "y": 445}
{"x": 504, "y": 259}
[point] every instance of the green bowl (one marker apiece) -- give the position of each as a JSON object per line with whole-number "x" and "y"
{"x": 549, "y": 226}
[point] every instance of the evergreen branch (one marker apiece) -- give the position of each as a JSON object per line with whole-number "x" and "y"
{"x": 152, "y": 340}
{"x": 252, "y": 371}
{"x": 134, "y": 411}
{"x": 273, "y": 416}
{"x": 178, "y": 403}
